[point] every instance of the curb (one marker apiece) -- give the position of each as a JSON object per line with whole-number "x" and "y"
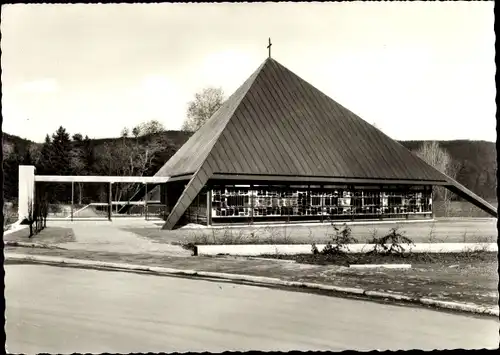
{"x": 270, "y": 281}
{"x": 312, "y": 224}
{"x": 377, "y": 266}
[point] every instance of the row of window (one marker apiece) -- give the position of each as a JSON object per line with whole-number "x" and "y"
{"x": 246, "y": 202}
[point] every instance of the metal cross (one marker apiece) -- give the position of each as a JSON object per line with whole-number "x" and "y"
{"x": 269, "y": 47}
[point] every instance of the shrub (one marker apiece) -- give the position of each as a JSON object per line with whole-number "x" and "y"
{"x": 253, "y": 237}
{"x": 341, "y": 239}
{"x": 55, "y": 208}
{"x": 339, "y": 244}
{"x": 392, "y": 243}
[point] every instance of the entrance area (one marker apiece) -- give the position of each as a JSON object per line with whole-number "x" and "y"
{"x": 88, "y": 197}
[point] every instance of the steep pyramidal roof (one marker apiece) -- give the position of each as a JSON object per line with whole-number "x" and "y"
{"x": 278, "y": 124}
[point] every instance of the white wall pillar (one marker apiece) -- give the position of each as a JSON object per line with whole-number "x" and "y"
{"x": 26, "y": 190}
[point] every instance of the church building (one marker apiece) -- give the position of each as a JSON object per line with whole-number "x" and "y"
{"x": 280, "y": 150}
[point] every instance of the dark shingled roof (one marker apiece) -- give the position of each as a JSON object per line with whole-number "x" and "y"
{"x": 278, "y": 124}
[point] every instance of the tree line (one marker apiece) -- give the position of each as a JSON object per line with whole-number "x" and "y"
{"x": 66, "y": 154}
{"x": 139, "y": 151}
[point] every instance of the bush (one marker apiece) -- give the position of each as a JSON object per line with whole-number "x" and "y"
{"x": 339, "y": 243}
{"x": 392, "y": 243}
{"x": 340, "y": 240}
{"x": 55, "y": 209}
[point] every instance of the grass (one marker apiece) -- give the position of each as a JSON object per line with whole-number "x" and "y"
{"x": 437, "y": 232}
{"x": 50, "y": 235}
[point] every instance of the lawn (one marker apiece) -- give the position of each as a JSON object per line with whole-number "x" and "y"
{"x": 449, "y": 231}
{"x": 50, "y": 235}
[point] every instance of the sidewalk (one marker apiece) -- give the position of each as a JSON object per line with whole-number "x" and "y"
{"x": 98, "y": 236}
{"x": 475, "y": 282}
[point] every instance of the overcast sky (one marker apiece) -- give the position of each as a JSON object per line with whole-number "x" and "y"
{"x": 417, "y": 70}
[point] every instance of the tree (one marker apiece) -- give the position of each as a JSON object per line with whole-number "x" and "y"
{"x": 11, "y": 160}
{"x": 136, "y": 131}
{"x": 143, "y": 129}
{"x": 56, "y": 154}
{"x": 56, "y": 159}
{"x": 34, "y": 217}
{"x": 46, "y": 156}
{"x": 35, "y": 154}
{"x": 129, "y": 157}
{"x": 204, "y": 105}
{"x": 8, "y": 149}
{"x": 133, "y": 157}
{"x": 150, "y": 128}
{"x": 125, "y": 132}
{"x": 440, "y": 159}
{"x": 77, "y": 156}
{"x": 61, "y": 148}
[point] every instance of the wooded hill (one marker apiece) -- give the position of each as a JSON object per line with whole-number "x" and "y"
{"x": 477, "y": 159}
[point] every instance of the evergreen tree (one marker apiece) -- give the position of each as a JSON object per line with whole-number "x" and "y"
{"x": 77, "y": 137}
{"x": 89, "y": 156}
{"x": 45, "y": 166}
{"x": 11, "y": 172}
{"x": 61, "y": 150}
{"x": 27, "y": 158}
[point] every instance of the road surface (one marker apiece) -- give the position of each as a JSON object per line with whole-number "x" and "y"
{"x": 63, "y": 310}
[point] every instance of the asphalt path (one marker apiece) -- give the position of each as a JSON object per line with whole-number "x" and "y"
{"x": 65, "y": 310}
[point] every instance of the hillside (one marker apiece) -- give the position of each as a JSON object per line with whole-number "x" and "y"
{"x": 176, "y": 138}
{"x": 477, "y": 159}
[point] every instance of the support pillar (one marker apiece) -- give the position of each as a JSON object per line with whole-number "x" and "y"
{"x": 110, "y": 201}
{"x": 197, "y": 209}
{"x": 209, "y": 206}
{"x": 26, "y": 190}
{"x": 146, "y": 201}
{"x": 290, "y": 202}
{"x": 72, "y": 199}
{"x": 251, "y": 203}
{"x": 321, "y": 199}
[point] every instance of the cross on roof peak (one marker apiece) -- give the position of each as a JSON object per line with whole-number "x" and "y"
{"x": 269, "y": 47}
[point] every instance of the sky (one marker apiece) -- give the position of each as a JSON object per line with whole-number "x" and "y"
{"x": 417, "y": 70}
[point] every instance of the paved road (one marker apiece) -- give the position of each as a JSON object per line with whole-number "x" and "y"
{"x": 63, "y": 310}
